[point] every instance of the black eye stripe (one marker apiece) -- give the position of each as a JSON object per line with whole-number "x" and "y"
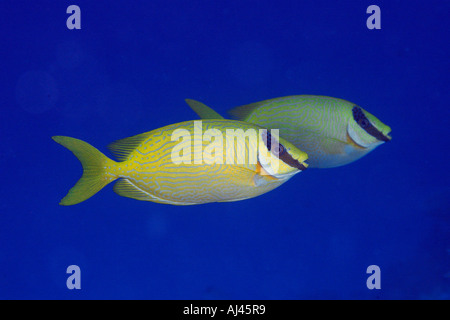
{"x": 267, "y": 137}
{"x": 358, "y": 115}
{"x": 283, "y": 156}
{"x": 363, "y": 122}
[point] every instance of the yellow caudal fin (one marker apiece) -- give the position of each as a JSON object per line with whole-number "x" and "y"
{"x": 202, "y": 110}
{"x": 95, "y": 176}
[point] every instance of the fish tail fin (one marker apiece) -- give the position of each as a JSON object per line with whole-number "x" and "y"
{"x": 95, "y": 173}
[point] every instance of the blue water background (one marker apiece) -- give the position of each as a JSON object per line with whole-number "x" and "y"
{"x": 128, "y": 71}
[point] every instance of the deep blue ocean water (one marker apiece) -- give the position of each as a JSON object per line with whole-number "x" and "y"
{"x": 128, "y": 71}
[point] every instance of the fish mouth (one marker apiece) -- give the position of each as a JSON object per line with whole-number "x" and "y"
{"x": 302, "y": 165}
{"x": 389, "y": 138}
{"x": 294, "y": 163}
{"x": 377, "y": 134}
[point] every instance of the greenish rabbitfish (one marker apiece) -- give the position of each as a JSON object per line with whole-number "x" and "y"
{"x": 333, "y": 132}
{"x": 188, "y": 163}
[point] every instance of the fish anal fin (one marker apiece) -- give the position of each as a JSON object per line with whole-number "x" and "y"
{"x": 125, "y": 188}
{"x": 128, "y": 189}
{"x": 202, "y": 110}
{"x": 121, "y": 149}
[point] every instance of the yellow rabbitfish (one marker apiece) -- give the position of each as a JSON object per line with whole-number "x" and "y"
{"x": 333, "y": 132}
{"x": 179, "y": 165}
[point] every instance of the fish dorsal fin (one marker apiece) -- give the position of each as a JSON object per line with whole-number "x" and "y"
{"x": 242, "y": 112}
{"x": 121, "y": 149}
{"x": 202, "y": 110}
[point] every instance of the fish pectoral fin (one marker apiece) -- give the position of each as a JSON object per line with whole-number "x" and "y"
{"x": 259, "y": 180}
{"x": 253, "y": 178}
{"x": 202, "y": 110}
{"x": 262, "y": 172}
{"x": 261, "y": 177}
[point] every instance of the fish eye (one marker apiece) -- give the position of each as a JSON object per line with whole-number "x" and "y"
{"x": 364, "y": 123}
{"x": 278, "y": 149}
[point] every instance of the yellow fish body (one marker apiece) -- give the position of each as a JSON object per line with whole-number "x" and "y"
{"x": 333, "y": 132}
{"x": 174, "y": 165}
